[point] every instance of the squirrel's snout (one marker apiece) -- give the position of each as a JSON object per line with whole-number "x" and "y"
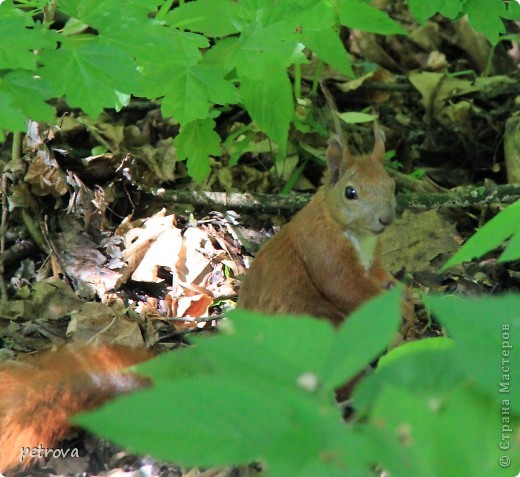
{"x": 386, "y": 219}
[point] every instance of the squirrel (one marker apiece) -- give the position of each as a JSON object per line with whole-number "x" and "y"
{"x": 325, "y": 262}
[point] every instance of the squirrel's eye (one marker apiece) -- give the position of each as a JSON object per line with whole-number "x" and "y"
{"x": 350, "y": 193}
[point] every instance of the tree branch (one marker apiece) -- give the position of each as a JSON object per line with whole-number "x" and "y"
{"x": 460, "y": 197}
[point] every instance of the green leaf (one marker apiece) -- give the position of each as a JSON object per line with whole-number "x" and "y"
{"x": 193, "y": 90}
{"x": 197, "y": 141}
{"x": 260, "y": 351}
{"x": 20, "y": 37}
{"x": 423, "y": 10}
{"x": 11, "y": 118}
{"x": 203, "y": 437}
{"x": 28, "y": 94}
{"x": 184, "y": 363}
{"x": 429, "y": 438}
{"x": 512, "y": 250}
{"x": 452, "y": 8}
{"x": 287, "y": 353}
{"x": 89, "y": 73}
{"x": 354, "y": 117}
{"x": 237, "y": 398}
{"x": 490, "y": 236}
{"x": 314, "y": 24}
{"x": 150, "y": 44}
{"x": 214, "y": 18}
{"x": 328, "y": 46}
{"x": 269, "y": 101}
{"x": 223, "y": 53}
{"x": 249, "y": 373}
{"x": 360, "y": 15}
{"x": 157, "y": 49}
{"x": 486, "y": 332}
{"x": 484, "y": 16}
{"x": 426, "y": 367}
{"x": 379, "y": 318}
{"x": 513, "y": 11}
{"x": 215, "y": 422}
{"x": 267, "y": 49}
{"x": 107, "y": 14}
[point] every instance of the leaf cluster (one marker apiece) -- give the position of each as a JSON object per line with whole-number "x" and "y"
{"x": 263, "y": 391}
{"x": 198, "y": 58}
{"x": 505, "y": 225}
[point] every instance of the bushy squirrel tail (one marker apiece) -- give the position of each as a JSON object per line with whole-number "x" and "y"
{"x": 40, "y": 394}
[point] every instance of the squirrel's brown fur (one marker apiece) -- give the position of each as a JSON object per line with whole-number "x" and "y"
{"x": 325, "y": 261}
{"x": 39, "y": 395}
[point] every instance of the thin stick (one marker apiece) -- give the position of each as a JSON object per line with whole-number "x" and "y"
{"x": 462, "y": 197}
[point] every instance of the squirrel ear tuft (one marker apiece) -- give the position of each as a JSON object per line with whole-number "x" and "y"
{"x": 379, "y": 142}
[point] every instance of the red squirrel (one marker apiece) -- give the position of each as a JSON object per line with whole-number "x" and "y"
{"x": 325, "y": 262}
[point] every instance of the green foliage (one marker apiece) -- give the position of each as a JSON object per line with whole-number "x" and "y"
{"x": 480, "y": 328}
{"x": 436, "y": 395}
{"x": 484, "y": 16}
{"x": 263, "y": 391}
{"x": 361, "y": 15}
{"x": 154, "y": 53}
{"x": 196, "y": 141}
{"x": 354, "y": 117}
{"x": 424, "y": 10}
{"x": 260, "y": 94}
{"x": 504, "y": 225}
{"x": 513, "y": 11}
{"x": 480, "y": 19}
{"x": 89, "y": 73}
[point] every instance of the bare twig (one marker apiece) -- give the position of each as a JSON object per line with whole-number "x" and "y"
{"x": 200, "y": 319}
{"x": 461, "y": 197}
{"x": 17, "y": 251}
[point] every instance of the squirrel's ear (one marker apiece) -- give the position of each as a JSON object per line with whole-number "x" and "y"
{"x": 338, "y": 159}
{"x": 379, "y": 142}
{"x": 334, "y": 159}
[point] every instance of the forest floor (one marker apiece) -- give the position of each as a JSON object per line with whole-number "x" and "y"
{"x": 97, "y": 249}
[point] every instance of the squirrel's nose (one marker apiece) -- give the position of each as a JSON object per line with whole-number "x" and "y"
{"x": 386, "y": 220}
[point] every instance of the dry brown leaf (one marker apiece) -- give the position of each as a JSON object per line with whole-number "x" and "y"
{"x": 429, "y": 237}
{"x": 83, "y": 262}
{"x": 161, "y": 158}
{"x": 437, "y": 88}
{"x": 45, "y": 175}
{"x": 138, "y": 239}
{"x": 48, "y": 299}
{"x": 366, "y": 45}
{"x": 473, "y": 43}
{"x": 162, "y": 252}
{"x": 197, "y": 267}
{"x": 98, "y": 323}
{"x": 379, "y": 75}
{"x": 193, "y": 306}
{"x": 194, "y": 263}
